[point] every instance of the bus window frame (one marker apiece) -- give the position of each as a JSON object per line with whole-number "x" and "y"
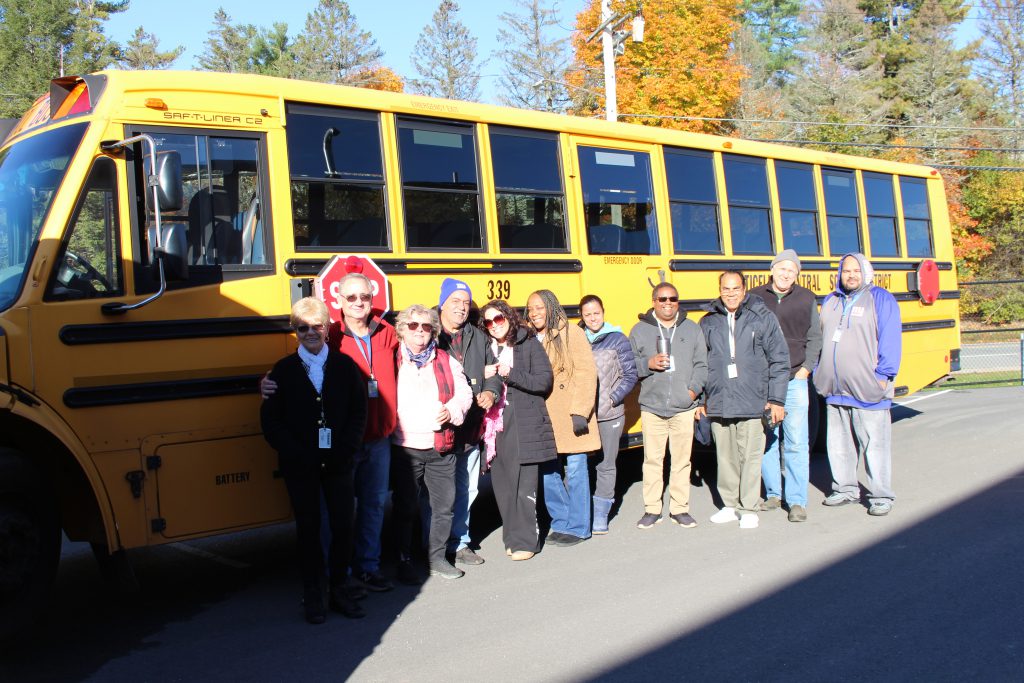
{"x": 878, "y": 175}
{"x": 903, "y": 217}
{"x": 767, "y": 208}
{"x": 815, "y": 212}
{"x": 145, "y": 279}
{"x": 439, "y": 125}
{"x": 717, "y": 203}
{"x": 296, "y": 107}
{"x": 857, "y": 215}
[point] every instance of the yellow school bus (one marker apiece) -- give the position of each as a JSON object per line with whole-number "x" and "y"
{"x": 156, "y": 226}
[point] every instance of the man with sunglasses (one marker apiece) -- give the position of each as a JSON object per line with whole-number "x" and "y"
{"x": 371, "y": 342}
{"x": 671, "y": 362}
{"x": 471, "y": 348}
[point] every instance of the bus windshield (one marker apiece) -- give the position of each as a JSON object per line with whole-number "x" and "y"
{"x": 31, "y": 172}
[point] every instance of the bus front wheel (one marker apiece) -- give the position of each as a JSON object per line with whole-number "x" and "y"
{"x": 29, "y": 544}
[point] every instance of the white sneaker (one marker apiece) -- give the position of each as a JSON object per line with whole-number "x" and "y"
{"x": 748, "y": 521}
{"x": 724, "y": 516}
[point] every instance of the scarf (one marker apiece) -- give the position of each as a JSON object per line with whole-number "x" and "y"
{"x": 493, "y": 422}
{"x": 314, "y": 365}
{"x": 423, "y": 357}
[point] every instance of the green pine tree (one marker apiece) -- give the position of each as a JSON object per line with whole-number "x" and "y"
{"x": 533, "y": 63}
{"x": 445, "y": 57}
{"x": 143, "y": 52}
{"x": 333, "y": 48}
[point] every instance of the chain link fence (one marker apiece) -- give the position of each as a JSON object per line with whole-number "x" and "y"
{"x": 991, "y": 334}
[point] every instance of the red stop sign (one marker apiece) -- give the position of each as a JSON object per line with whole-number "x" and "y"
{"x": 327, "y": 282}
{"x": 928, "y": 281}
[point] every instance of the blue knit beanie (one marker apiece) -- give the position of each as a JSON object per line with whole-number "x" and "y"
{"x": 449, "y": 286}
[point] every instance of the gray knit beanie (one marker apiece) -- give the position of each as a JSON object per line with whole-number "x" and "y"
{"x": 787, "y": 255}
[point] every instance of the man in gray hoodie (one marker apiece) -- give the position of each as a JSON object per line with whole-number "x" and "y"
{"x": 671, "y": 361}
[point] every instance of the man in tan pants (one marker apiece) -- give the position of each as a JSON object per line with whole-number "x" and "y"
{"x": 671, "y": 361}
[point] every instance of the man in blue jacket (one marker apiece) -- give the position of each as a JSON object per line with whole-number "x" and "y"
{"x": 862, "y": 343}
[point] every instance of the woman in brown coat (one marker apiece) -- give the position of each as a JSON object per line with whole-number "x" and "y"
{"x": 571, "y": 406}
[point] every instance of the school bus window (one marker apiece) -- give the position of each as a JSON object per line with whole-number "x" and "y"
{"x": 89, "y": 266}
{"x": 618, "y": 198}
{"x": 914, "y": 192}
{"x": 439, "y": 185}
{"x": 798, "y": 207}
{"x": 337, "y": 179}
{"x": 841, "y": 211}
{"x": 881, "y": 208}
{"x": 222, "y": 178}
{"x": 528, "y": 187}
{"x": 746, "y": 187}
{"x": 693, "y": 202}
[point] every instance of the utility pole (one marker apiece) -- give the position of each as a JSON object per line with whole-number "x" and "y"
{"x": 611, "y": 101}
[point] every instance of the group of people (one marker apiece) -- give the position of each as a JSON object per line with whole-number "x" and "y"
{"x": 424, "y": 407}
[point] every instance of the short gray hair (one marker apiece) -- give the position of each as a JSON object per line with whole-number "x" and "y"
{"x": 402, "y": 322}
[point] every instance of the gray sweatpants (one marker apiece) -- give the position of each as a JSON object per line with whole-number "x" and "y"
{"x": 855, "y": 433}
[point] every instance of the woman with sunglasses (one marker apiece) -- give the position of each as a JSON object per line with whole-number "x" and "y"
{"x": 518, "y": 431}
{"x": 571, "y": 407}
{"x": 616, "y": 377}
{"x": 433, "y": 398}
{"x": 315, "y": 421}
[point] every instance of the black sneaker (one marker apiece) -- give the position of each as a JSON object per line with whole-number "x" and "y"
{"x": 684, "y": 519}
{"x": 648, "y": 520}
{"x": 563, "y": 540}
{"x": 342, "y": 602}
{"x": 467, "y": 556}
{"x": 313, "y": 606}
{"x": 373, "y": 581}
{"x": 406, "y": 574}
{"x": 445, "y": 570}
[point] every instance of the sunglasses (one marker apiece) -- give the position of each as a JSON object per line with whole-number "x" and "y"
{"x": 352, "y": 297}
{"x": 426, "y": 327}
{"x": 303, "y": 329}
{"x": 496, "y": 320}
{"x": 667, "y": 299}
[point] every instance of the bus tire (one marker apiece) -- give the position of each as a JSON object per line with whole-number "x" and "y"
{"x": 30, "y": 539}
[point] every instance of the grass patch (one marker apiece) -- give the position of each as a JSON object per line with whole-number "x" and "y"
{"x": 972, "y": 380}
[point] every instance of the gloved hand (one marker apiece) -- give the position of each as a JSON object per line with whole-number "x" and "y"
{"x": 579, "y": 425}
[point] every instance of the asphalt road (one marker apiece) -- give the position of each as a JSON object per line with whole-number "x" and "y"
{"x": 930, "y": 592}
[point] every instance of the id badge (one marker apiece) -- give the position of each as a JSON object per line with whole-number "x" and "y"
{"x": 732, "y": 371}
{"x": 836, "y": 336}
{"x": 325, "y": 437}
{"x": 371, "y": 389}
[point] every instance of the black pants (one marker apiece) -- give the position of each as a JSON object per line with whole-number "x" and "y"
{"x": 304, "y": 490}
{"x": 515, "y": 491}
{"x": 411, "y": 469}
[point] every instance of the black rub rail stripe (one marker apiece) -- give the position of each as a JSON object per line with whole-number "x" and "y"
{"x": 161, "y": 330}
{"x": 311, "y": 267}
{"x": 677, "y": 265}
{"x": 929, "y": 325}
{"x": 913, "y": 296}
{"x": 150, "y": 392}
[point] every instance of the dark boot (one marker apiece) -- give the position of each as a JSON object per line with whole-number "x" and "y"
{"x": 602, "y": 506}
{"x": 313, "y": 605}
{"x": 343, "y": 601}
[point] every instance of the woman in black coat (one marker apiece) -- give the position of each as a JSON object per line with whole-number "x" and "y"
{"x": 315, "y": 422}
{"x": 525, "y": 438}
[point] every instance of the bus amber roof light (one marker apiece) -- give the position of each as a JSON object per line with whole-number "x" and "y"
{"x": 156, "y": 103}
{"x": 727, "y": 144}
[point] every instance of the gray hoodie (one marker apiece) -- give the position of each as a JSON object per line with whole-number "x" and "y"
{"x": 666, "y": 393}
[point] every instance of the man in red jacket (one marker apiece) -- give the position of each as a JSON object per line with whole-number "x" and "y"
{"x": 371, "y": 343}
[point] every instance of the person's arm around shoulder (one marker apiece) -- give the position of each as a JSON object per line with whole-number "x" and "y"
{"x": 890, "y": 335}
{"x": 458, "y": 405}
{"x": 273, "y": 416}
{"x": 358, "y": 404}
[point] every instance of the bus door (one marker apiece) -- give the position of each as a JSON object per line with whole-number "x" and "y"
{"x": 164, "y": 396}
{"x": 618, "y": 226}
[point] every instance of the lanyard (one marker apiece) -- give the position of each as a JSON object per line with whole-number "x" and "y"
{"x": 672, "y": 332}
{"x": 731, "y": 317}
{"x": 847, "y": 307}
{"x": 367, "y": 353}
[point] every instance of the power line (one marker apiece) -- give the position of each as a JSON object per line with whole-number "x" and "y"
{"x": 888, "y": 145}
{"x": 825, "y": 123}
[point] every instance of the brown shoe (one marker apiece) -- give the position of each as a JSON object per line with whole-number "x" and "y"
{"x": 772, "y": 503}
{"x": 797, "y": 513}
{"x": 520, "y": 555}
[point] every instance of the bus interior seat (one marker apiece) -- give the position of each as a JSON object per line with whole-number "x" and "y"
{"x": 210, "y": 225}
{"x": 252, "y": 233}
{"x": 636, "y": 242}
{"x": 605, "y": 239}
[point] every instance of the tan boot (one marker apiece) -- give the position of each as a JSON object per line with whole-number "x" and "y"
{"x": 521, "y": 555}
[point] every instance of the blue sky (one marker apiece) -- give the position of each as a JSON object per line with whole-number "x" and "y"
{"x": 396, "y": 24}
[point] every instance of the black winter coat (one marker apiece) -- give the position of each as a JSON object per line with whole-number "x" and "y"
{"x": 762, "y": 360}
{"x": 474, "y": 352}
{"x": 290, "y": 417}
{"x": 527, "y": 436}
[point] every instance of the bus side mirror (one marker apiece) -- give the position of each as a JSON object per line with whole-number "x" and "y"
{"x": 174, "y": 251}
{"x": 169, "y": 189}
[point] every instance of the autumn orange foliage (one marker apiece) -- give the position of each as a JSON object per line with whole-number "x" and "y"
{"x": 684, "y": 66}
{"x": 379, "y": 78}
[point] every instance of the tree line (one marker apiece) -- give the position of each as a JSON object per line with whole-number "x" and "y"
{"x": 882, "y": 78}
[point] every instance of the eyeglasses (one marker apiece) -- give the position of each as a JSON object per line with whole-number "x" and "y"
{"x": 496, "y": 320}
{"x": 667, "y": 299}
{"x": 352, "y": 297}
{"x": 426, "y": 327}
{"x": 303, "y": 329}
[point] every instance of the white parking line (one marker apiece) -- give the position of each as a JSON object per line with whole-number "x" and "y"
{"x": 921, "y": 398}
{"x": 199, "y": 552}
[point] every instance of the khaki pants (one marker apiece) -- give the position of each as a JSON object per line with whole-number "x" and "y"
{"x": 678, "y": 432}
{"x": 739, "y": 444}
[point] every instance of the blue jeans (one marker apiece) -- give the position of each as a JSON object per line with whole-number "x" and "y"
{"x": 373, "y": 462}
{"x": 568, "y": 502}
{"x": 467, "y": 479}
{"x": 794, "y": 449}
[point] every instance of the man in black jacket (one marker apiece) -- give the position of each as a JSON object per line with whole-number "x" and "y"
{"x": 797, "y": 310}
{"x": 748, "y": 370}
{"x": 470, "y": 347}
